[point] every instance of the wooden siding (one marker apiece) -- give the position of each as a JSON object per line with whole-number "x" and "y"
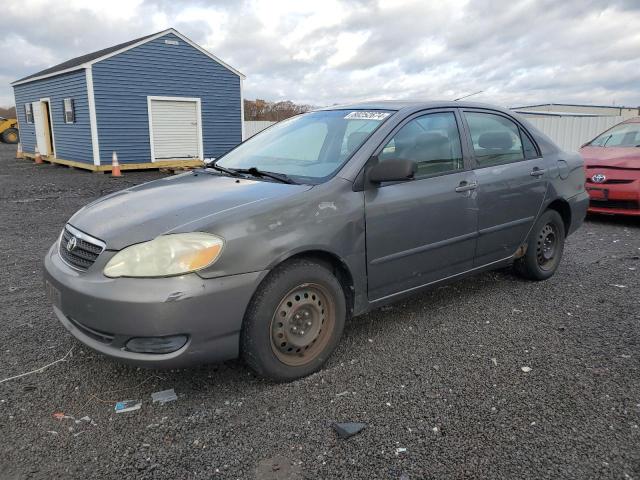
{"x": 123, "y": 82}
{"x": 72, "y": 140}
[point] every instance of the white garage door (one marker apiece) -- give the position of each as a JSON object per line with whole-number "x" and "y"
{"x": 175, "y": 127}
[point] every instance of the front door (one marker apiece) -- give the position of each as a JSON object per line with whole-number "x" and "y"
{"x": 512, "y": 182}
{"x": 425, "y": 229}
{"x": 41, "y": 122}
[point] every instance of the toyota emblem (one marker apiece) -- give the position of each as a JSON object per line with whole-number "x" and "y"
{"x": 598, "y": 178}
{"x": 71, "y": 244}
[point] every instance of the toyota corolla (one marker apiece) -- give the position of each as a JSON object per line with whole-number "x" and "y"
{"x": 266, "y": 252}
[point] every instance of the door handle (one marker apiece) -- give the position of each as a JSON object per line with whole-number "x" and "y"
{"x": 466, "y": 186}
{"x": 537, "y": 172}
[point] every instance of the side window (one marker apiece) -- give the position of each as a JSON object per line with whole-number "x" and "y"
{"x": 496, "y": 140}
{"x": 528, "y": 146}
{"x": 69, "y": 110}
{"x": 28, "y": 112}
{"x": 432, "y": 141}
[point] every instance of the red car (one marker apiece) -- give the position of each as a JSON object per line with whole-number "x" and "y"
{"x": 612, "y": 165}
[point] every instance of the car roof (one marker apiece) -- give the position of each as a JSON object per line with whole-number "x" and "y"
{"x": 398, "y": 105}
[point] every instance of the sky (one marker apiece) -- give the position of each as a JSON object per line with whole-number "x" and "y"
{"x": 330, "y": 51}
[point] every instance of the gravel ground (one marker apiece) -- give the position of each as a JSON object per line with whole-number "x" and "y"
{"x": 440, "y": 375}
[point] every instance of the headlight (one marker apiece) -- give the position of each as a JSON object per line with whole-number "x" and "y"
{"x": 166, "y": 255}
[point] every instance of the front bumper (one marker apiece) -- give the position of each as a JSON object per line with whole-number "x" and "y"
{"x": 614, "y": 197}
{"x": 105, "y": 313}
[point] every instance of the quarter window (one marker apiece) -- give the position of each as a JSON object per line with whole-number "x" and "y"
{"x": 69, "y": 110}
{"x": 432, "y": 141}
{"x": 28, "y": 112}
{"x": 496, "y": 140}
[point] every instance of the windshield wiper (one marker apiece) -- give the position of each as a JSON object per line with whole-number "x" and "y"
{"x": 281, "y": 177}
{"x": 220, "y": 168}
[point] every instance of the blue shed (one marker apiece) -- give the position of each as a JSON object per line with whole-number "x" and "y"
{"x": 160, "y": 100}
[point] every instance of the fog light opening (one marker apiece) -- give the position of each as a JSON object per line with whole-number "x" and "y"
{"x": 156, "y": 344}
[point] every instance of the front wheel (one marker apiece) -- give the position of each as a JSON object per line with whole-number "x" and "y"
{"x": 11, "y": 136}
{"x": 294, "y": 321}
{"x": 544, "y": 248}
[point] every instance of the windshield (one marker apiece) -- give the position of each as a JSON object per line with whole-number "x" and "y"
{"x": 309, "y": 147}
{"x": 623, "y": 135}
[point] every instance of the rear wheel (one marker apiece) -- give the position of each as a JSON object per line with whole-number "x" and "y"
{"x": 544, "y": 248}
{"x": 294, "y": 321}
{"x": 10, "y": 135}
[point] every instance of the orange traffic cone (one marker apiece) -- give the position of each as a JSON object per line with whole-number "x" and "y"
{"x": 115, "y": 166}
{"x": 38, "y": 157}
{"x": 19, "y": 152}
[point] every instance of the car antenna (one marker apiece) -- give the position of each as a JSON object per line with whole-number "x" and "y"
{"x": 467, "y": 96}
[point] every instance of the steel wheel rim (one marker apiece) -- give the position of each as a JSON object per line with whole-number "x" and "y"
{"x": 12, "y": 137}
{"x": 302, "y": 324}
{"x": 547, "y": 246}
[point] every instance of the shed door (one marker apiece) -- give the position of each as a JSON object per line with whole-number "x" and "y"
{"x": 40, "y": 127}
{"x": 175, "y": 129}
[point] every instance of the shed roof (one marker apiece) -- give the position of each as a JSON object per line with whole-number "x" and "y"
{"x": 90, "y": 58}
{"x": 82, "y": 59}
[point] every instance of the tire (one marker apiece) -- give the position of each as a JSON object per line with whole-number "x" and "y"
{"x": 11, "y": 136}
{"x": 294, "y": 321}
{"x": 545, "y": 246}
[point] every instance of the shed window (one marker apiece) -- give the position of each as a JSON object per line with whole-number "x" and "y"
{"x": 28, "y": 112}
{"x": 69, "y": 110}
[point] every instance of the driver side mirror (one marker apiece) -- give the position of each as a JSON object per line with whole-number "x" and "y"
{"x": 394, "y": 170}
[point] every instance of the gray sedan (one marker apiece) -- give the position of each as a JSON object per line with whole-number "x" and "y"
{"x": 269, "y": 250}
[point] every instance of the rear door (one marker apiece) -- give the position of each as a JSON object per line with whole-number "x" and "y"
{"x": 175, "y": 129}
{"x": 512, "y": 183}
{"x": 424, "y": 229}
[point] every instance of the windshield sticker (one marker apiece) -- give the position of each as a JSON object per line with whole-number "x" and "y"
{"x": 361, "y": 115}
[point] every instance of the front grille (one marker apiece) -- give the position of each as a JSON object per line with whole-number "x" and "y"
{"x": 620, "y": 204}
{"x": 610, "y": 182}
{"x": 79, "y": 250}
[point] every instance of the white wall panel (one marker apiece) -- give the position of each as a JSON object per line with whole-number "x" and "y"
{"x": 571, "y": 132}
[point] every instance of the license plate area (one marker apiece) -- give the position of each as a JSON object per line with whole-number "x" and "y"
{"x": 598, "y": 194}
{"x": 54, "y": 295}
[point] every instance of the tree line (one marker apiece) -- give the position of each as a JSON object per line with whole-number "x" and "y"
{"x": 8, "y": 112}
{"x": 272, "y": 111}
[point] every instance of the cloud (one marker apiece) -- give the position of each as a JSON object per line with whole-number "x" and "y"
{"x": 339, "y": 51}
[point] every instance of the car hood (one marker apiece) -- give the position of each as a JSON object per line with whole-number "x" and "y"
{"x": 171, "y": 204}
{"x": 617, "y": 157}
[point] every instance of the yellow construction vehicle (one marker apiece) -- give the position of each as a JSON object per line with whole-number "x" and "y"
{"x": 9, "y": 130}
